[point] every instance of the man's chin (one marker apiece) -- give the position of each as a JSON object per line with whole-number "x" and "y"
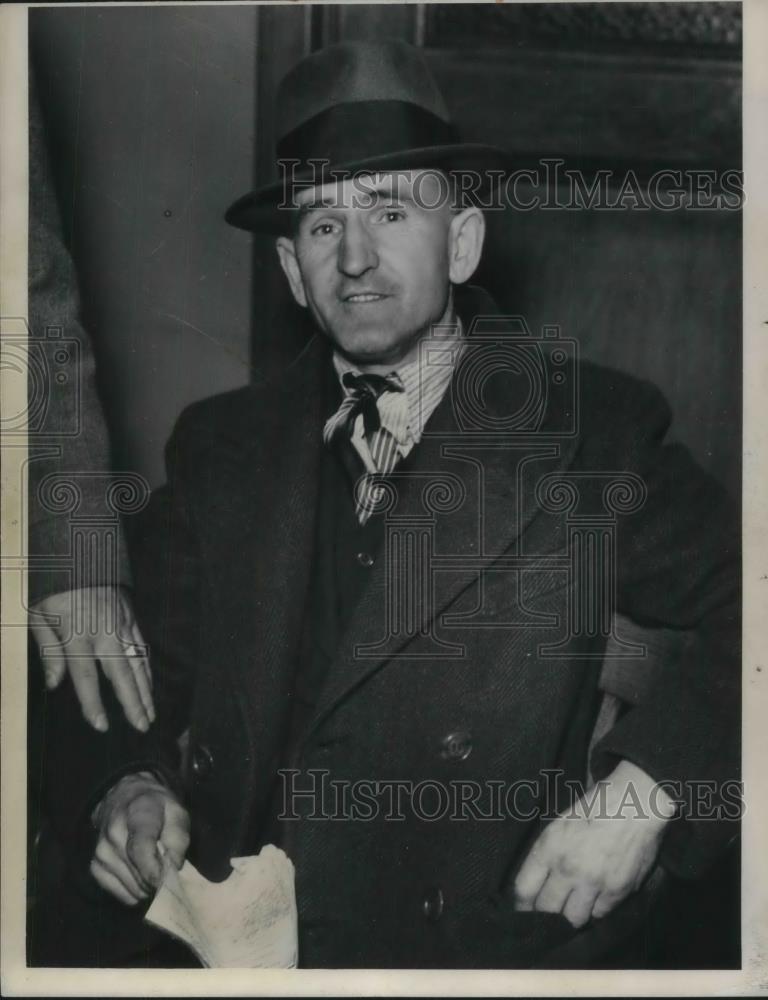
{"x": 369, "y": 350}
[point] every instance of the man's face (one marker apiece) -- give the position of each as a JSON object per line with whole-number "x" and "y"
{"x": 370, "y": 258}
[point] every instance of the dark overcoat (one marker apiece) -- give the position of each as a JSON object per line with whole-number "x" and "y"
{"x": 478, "y": 666}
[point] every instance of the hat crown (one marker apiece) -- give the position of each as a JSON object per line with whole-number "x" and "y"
{"x": 357, "y": 107}
{"x": 350, "y": 72}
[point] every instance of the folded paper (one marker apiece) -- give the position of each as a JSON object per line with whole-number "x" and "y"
{"x": 248, "y": 921}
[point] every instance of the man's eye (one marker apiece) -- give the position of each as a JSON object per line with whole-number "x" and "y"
{"x": 392, "y": 215}
{"x": 324, "y": 229}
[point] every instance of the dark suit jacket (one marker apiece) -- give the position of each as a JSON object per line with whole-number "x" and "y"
{"x": 222, "y": 571}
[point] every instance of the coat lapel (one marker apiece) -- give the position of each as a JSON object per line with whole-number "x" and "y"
{"x": 464, "y": 500}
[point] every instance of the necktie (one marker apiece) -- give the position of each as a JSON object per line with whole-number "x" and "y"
{"x": 379, "y": 458}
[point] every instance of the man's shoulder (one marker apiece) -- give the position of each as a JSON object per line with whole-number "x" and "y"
{"x": 609, "y": 400}
{"x": 223, "y": 414}
{"x": 221, "y": 409}
{"x": 246, "y": 413}
{"x": 232, "y": 418}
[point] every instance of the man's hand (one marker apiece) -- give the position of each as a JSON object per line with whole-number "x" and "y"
{"x": 136, "y": 820}
{"x": 584, "y": 864}
{"x": 96, "y": 623}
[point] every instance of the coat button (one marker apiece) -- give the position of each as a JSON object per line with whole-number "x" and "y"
{"x": 456, "y": 746}
{"x": 202, "y": 762}
{"x": 433, "y": 903}
{"x": 365, "y": 559}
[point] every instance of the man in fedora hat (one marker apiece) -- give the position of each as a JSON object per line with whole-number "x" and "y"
{"x": 363, "y": 587}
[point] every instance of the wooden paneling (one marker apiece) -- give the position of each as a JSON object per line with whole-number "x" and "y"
{"x": 652, "y": 293}
{"x": 658, "y": 110}
{"x": 285, "y": 36}
{"x": 708, "y": 26}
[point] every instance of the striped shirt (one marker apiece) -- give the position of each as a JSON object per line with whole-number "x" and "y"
{"x": 424, "y": 380}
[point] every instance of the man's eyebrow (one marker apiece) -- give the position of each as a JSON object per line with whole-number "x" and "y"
{"x": 386, "y": 191}
{"x": 318, "y": 206}
{"x": 363, "y": 196}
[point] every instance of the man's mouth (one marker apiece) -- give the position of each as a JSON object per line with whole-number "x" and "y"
{"x": 359, "y": 298}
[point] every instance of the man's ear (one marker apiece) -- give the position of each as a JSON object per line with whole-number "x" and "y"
{"x": 286, "y": 251}
{"x": 465, "y": 244}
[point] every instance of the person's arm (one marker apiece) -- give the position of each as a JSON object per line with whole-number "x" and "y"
{"x": 142, "y": 816}
{"x": 677, "y": 567}
{"x": 84, "y": 768}
{"x": 75, "y": 629}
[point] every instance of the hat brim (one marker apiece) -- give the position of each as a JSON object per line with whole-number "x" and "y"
{"x": 265, "y": 209}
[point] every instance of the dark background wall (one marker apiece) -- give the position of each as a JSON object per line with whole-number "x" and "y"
{"x": 160, "y": 116}
{"x": 152, "y": 127}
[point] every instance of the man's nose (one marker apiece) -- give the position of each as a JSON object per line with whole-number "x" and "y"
{"x": 357, "y": 252}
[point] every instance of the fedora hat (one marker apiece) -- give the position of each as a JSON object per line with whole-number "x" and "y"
{"x": 353, "y": 108}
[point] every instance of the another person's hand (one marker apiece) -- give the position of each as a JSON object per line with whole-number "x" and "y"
{"x": 584, "y": 864}
{"x": 138, "y": 821}
{"x": 94, "y": 624}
